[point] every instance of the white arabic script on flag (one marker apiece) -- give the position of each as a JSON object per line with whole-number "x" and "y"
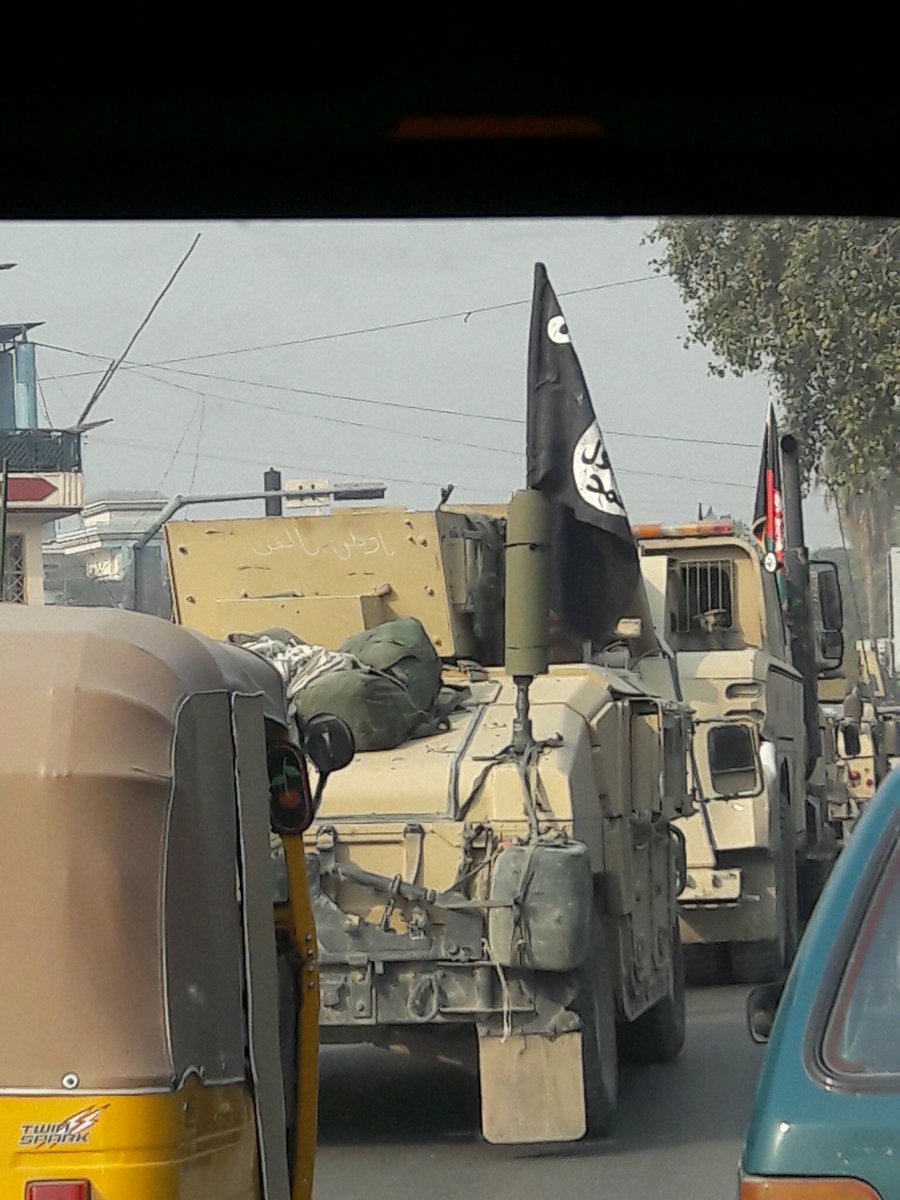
{"x": 593, "y": 475}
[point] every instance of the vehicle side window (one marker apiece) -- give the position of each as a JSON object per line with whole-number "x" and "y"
{"x": 862, "y": 1036}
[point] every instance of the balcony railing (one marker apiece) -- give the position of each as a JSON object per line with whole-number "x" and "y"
{"x": 41, "y": 449}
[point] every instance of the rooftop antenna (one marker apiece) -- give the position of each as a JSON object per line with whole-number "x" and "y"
{"x": 117, "y": 362}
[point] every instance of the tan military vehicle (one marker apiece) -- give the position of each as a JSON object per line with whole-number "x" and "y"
{"x": 512, "y": 874}
{"x": 762, "y": 822}
{"x": 864, "y": 738}
{"x": 860, "y": 755}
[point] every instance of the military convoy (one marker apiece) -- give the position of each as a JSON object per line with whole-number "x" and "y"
{"x": 510, "y": 877}
{"x": 572, "y": 757}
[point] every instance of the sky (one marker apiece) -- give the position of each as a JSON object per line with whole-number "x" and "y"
{"x": 344, "y": 402}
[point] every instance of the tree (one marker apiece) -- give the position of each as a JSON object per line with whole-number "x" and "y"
{"x": 815, "y": 304}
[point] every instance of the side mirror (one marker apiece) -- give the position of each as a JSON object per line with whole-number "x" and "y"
{"x": 762, "y": 1005}
{"x": 828, "y": 614}
{"x": 329, "y": 743}
{"x": 291, "y": 806}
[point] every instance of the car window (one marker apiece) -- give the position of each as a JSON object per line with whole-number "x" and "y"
{"x": 862, "y": 1036}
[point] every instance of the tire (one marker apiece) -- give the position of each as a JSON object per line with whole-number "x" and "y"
{"x": 657, "y": 1036}
{"x": 596, "y": 1005}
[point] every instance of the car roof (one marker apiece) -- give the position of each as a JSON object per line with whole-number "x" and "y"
{"x": 802, "y": 1123}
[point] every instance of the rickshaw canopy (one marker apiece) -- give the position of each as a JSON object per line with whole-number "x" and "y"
{"x": 130, "y": 749}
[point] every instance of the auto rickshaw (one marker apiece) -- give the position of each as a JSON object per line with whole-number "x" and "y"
{"x": 158, "y": 991}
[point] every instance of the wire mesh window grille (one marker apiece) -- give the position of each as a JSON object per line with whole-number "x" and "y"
{"x": 14, "y": 569}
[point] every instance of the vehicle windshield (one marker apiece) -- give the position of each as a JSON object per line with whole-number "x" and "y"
{"x": 862, "y": 1037}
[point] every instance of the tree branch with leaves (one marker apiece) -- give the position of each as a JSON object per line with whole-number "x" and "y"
{"x": 815, "y": 306}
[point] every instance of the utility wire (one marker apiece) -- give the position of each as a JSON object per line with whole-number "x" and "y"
{"x": 197, "y": 446}
{"x": 181, "y": 441}
{"x": 143, "y": 369}
{"x": 116, "y": 363}
{"x": 448, "y": 412}
{"x": 265, "y": 462}
{"x": 464, "y": 313}
{"x": 282, "y": 411}
{"x": 429, "y": 483}
{"x": 47, "y": 417}
{"x": 429, "y": 437}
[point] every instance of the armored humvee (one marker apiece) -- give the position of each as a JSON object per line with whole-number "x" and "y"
{"x": 760, "y": 843}
{"x": 511, "y": 877}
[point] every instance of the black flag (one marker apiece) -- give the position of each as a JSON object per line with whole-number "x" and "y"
{"x": 595, "y": 556}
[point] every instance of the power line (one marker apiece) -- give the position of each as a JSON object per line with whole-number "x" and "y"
{"x": 279, "y": 387}
{"x": 436, "y": 411}
{"x": 281, "y": 410}
{"x": 433, "y": 410}
{"x": 197, "y": 446}
{"x": 264, "y": 462}
{"x": 44, "y": 403}
{"x": 180, "y": 443}
{"x": 417, "y": 482}
{"x": 464, "y": 313}
{"x": 429, "y": 437}
{"x": 745, "y": 487}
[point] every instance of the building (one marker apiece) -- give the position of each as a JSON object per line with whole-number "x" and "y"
{"x": 90, "y": 561}
{"x": 44, "y": 477}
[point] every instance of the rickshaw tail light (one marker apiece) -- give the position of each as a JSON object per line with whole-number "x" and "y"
{"x": 55, "y": 1189}
{"x": 761, "y": 1188}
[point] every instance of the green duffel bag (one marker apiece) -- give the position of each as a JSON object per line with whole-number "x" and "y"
{"x": 378, "y": 708}
{"x": 403, "y": 650}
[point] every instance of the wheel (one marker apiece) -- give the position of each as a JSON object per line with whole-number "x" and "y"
{"x": 596, "y": 1005}
{"x": 705, "y": 964}
{"x": 657, "y": 1035}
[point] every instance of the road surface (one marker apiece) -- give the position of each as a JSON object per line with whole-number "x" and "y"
{"x": 392, "y": 1128}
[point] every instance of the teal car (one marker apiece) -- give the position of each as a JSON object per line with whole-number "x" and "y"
{"x": 826, "y": 1123}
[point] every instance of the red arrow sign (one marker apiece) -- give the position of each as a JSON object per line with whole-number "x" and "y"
{"x": 28, "y": 490}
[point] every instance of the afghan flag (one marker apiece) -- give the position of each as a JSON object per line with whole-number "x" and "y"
{"x": 768, "y": 510}
{"x": 595, "y": 558}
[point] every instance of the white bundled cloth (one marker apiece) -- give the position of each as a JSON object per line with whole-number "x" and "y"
{"x": 299, "y": 664}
